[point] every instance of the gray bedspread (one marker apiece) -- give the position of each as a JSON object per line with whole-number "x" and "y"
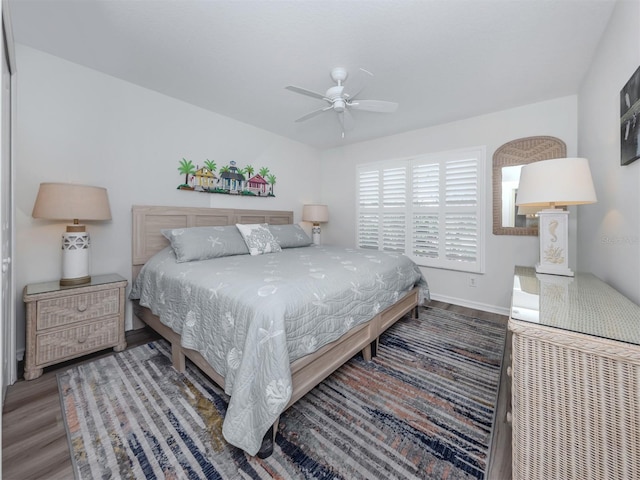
{"x": 251, "y": 316}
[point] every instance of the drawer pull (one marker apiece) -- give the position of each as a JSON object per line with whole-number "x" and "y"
{"x": 509, "y": 371}
{"x": 82, "y": 308}
{"x": 82, "y": 340}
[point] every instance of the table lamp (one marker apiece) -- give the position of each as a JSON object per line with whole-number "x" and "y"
{"x": 560, "y": 181}
{"x": 315, "y": 214}
{"x": 66, "y": 201}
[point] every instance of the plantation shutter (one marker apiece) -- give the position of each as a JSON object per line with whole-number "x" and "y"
{"x": 425, "y": 213}
{"x": 429, "y": 208}
{"x": 368, "y": 209}
{"x": 382, "y": 207}
{"x": 394, "y": 208}
{"x": 461, "y": 207}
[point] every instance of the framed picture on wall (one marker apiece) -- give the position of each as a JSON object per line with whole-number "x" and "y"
{"x": 630, "y": 120}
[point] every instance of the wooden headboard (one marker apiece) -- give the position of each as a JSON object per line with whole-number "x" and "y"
{"x": 148, "y": 221}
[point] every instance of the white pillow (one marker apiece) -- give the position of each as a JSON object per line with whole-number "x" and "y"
{"x": 258, "y": 238}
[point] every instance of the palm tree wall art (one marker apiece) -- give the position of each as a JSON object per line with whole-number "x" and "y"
{"x": 228, "y": 179}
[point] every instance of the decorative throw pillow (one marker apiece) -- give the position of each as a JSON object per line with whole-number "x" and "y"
{"x": 202, "y": 243}
{"x": 290, "y": 236}
{"x": 258, "y": 238}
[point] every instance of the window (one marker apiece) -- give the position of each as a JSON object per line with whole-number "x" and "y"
{"x": 429, "y": 207}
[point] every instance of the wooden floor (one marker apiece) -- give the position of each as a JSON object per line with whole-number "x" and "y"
{"x": 34, "y": 441}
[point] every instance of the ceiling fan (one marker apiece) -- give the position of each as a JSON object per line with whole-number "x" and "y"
{"x": 342, "y": 102}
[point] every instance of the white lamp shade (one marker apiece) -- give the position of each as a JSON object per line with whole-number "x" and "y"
{"x": 315, "y": 213}
{"x": 67, "y": 201}
{"x": 560, "y": 181}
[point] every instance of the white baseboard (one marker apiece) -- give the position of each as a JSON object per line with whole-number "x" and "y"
{"x": 466, "y": 303}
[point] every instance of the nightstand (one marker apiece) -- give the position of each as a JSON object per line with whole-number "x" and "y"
{"x": 68, "y": 322}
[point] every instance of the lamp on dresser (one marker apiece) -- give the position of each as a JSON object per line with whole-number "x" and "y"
{"x": 315, "y": 214}
{"x": 67, "y": 201}
{"x": 547, "y": 184}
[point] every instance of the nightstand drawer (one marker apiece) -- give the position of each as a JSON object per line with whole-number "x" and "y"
{"x": 64, "y": 344}
{"x": 75, "y": 308}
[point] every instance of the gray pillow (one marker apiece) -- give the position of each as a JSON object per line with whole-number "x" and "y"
{"x": 290, "y": 236}
{"x": 258, "y": 238}
{"x": 202, "y": 243}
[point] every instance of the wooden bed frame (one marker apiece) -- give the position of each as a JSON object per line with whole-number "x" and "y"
{"x": 306, "y": 372}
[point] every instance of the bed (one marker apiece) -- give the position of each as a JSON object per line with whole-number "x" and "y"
{"x": 266, "y": 340}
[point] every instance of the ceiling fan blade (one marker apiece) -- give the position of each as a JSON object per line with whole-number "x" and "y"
{"x": 314, "y": 113}
{"x": 379, "y": 106}
{"x": 306, "y": 92}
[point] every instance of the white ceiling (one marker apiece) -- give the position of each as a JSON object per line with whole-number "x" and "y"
{"x": 441, "y": 60}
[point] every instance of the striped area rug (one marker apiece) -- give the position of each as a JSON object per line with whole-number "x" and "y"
{"x": 422, "y": 409}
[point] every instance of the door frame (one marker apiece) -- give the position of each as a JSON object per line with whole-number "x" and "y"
{"x": 9, "y": 371}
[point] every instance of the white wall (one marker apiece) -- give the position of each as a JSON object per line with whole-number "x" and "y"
{"x": 609, "y": 231}
{"x": 81, "y": 126}
{"x": 557, "y": 118}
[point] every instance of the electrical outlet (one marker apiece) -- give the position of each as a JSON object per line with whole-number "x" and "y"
{"x": 472, "y": 281}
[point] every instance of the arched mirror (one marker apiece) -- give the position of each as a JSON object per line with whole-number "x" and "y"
{"x": 508, "y": 219}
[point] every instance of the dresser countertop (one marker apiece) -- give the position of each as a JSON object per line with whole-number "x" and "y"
{"x": 582, "y": 304}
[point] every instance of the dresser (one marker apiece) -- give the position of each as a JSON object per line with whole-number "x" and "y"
{"x": 575, "y": 379}
{"x": 68, "y": 322}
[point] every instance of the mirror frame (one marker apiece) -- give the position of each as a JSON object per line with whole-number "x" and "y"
{"x": 520, "y": 152}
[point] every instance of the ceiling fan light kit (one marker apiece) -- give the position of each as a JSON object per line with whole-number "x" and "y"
{"x": 341, "y": 102}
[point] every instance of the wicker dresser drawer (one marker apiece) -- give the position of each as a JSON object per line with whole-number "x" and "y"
{"x": 61, "y": 345}
{"x": 64, "y": 322}
{"x": 76, "y": 308}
